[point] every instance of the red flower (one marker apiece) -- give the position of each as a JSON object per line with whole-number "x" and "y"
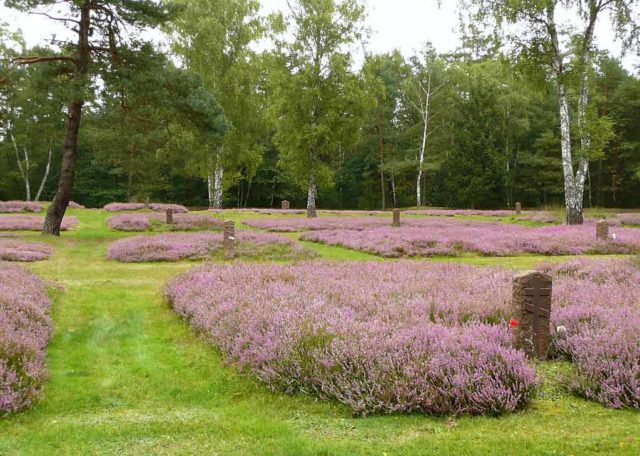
{"x": 513, "y": 323}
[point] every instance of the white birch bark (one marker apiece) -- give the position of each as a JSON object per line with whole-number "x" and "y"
{"x": 422, "y": 107}
{"x": 24, "y": 170}
{"x": 217, "y": 180}
{"x": 46, "y": 175}
{"x": 311, "y": 197}
{"x": 573, "y": 183}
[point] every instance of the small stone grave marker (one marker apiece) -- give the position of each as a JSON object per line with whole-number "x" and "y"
{"x": 286, "y": 205}
{"x": 169, "y": 216}
{"x": 602, "y": 230}
{"x": 229, "y": 243}
{"x": 396, "y": 217}
{"x": 518, "y": 208}
{"x": 532, "y": 305}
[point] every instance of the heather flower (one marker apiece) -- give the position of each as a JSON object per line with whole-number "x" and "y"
{"x": 31, "y": 223}
{"x": 181, "y": 222}
{"x": 177, "y": 208}
{"x": 20, "y": 206}
{"x": 15, "y": 250}
{"x": 202, "y": 245}
{"x": 121, "y": 207}
{"x": 597, "y": 313}
{"x": 25, "y": 329}
{"x": 431, "y": 237}
{"x": 461, "y": 212}
{"x": 380, "y": 338}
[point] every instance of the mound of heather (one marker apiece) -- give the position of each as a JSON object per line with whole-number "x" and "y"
{"x": 31, "y": 223}
{"x": 598, "y": 304}
{"x": 16, "y": 250}
{"x": 203, "y": 245}
{"x": 25, "y": 329}
{"x": 430, "y": 237}
{"x": 380, "y": 338}
{"x": 147, "y": 222}
{"x": 20, "y": 206}
{"x": 158, "y": 207}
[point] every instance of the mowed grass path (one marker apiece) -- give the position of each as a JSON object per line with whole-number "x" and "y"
{"x": 129, "y": 377}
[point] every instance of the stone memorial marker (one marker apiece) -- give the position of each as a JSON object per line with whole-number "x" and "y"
{"x": 396, "y": 217}
{"x": 602, "y": 230}
{"x": 229, "y": 242}
{"x": 286, "y": 205}
{"x": 169, "y": 216}
{"x": 532, "y": 306}
{"x": 518, "y": 208}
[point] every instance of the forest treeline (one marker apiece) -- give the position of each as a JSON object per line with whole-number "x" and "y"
{"x": 219, "y": 119}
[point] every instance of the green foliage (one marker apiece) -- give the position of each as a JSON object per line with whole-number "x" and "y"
{"x": 316, "y": 98}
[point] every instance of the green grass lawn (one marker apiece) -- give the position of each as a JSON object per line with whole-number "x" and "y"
{"x": 127, "y": 376}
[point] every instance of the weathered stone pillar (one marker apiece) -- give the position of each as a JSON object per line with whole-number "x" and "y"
{"x": 169, "y": 216}
{"x": 518, "y": 208}
{"x": 602, "y": 230}
{"x": 229, "y": 243}
{"x": 532, "y": 308}
{"x": 396, "y": 217}
{"x": 286, "y": 205}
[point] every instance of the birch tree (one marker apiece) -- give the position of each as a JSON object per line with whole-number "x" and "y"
{"x": 422, "y": 85}
{"x": 316, "y": 95}
{"x": 541, "y": 33}
{"x": 30, "y": 115}
{"x": 215, "y": 38}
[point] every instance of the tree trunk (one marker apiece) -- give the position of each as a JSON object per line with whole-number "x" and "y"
{"x": 58, "y": 207}
{"x": 381, "y": 145}
{"x": 311, "y": 197}
{"x": 24, "y": 170}
{"x": 425, "y": 131}
{"x": 45, "y": 177}
{"x": 216, "y": 189}
{"x": 573, "y": 192}
{"x": 393, "y": 191}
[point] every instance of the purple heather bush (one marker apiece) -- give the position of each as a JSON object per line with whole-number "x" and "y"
{"x": 202, "y": 245}
{"x": 74, "y": 205}
{"x": 15, "y": 250}
{"x": 177, "y": 208}
{"x": 628, "y": 219}
{"x": 31, "y": 223}
{"x": 129, "y": 222}
{"x": 412, "y": 337}
{"x": 158, "y": 207}
{"x": 431, "y": 237}
{"x": 598, "y": 304}
{"x": 380, "y": 338}
{"x": 325, "y": 223}
{"x": 461, "y": 212}
{"x": 20, "y": 206}
{"x": 122, "y": 207}
{"x": 25, "y": 329}
{"x": 181, "y": 222}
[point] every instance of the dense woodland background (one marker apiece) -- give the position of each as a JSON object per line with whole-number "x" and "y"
{"x": 212, "y": 118}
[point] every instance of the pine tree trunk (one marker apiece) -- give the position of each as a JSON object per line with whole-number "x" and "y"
{"x": 58, "y": 207}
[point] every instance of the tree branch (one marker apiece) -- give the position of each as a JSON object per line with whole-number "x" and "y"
{"x": 62, "y": 19}
{"x": 39, "y": 59}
